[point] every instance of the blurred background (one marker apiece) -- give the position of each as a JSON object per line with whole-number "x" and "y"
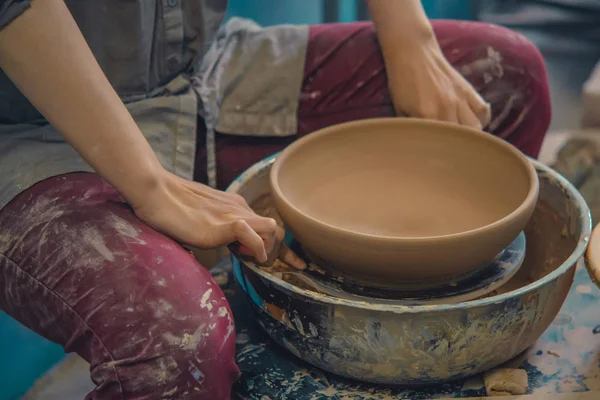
{"x": 272, "y": 12}
{"x": 566, "y": 31}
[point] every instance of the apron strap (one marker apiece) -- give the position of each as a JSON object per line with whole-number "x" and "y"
{"x": 173, "y": 33}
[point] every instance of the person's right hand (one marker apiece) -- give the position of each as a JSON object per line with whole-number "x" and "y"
{"x": 199, "y": 216}
{"x": 424, "y": 84}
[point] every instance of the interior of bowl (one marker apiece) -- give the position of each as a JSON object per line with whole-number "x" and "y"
{"x": 403, "y": 178}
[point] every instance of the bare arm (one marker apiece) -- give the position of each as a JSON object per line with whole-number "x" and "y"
{"x": 422, "y": 82}
{"x": 400, "y": 25}
{"x": 46, "y": 56}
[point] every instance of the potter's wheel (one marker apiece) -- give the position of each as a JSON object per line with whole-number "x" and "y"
{"x": 462, "y": 288}
{"x": 384, "y": 341}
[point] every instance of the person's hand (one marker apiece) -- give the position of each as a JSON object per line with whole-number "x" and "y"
{"x": 199, "y": 216}
{"x": 423, "y": 84}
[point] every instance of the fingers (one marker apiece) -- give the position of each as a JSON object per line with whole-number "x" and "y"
{"x": 272, "y": 236}
{"x": 467, "y": 117}
{"x": 284, "y": 253}
{"x": 480, "y": 108}
{"x": 240, "y": 231}
{"x": 470, "y": 110}
{"x": 485, "y": 114}
{"x": 449, "y": 111}
{"x": 274, "y": 251}
{"x": 266, "y": 228}
{"x": 290, "y": 258}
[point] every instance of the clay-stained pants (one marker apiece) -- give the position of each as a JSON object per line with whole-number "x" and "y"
{"x": 79, "y": 268}
{"x": 345, "y": 79}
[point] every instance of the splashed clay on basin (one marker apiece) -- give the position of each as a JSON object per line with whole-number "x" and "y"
{"x": 409, "y": 199}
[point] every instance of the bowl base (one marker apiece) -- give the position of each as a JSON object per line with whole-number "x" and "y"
{"x": 458, "y": 289}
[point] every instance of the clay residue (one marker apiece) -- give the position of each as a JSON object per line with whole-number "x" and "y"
{"x": 506, "y": 382}
{"x": 265, "y": 207}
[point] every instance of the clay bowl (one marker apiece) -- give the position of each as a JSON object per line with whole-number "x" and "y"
{"x": 395, "y": 200}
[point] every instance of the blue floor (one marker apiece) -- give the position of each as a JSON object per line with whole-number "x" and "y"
{"x": 25, "y": 356}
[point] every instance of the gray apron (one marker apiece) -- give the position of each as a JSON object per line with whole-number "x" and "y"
{"x": 170, "y": 63}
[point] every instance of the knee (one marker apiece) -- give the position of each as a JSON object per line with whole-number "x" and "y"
{"x": 474, "y": 39}
{"x": 204, "y": 347}
{"x": 516, "y": 51}
{"x": 527, "y": 105}
{"x": 179, "y": 335}
{"x": 512, "y": 56}
{"x": 199, "y": 355}
{"x": 151, "y": 321}
{"x": 177, "y": 341}
{"x": 508, "y": 71}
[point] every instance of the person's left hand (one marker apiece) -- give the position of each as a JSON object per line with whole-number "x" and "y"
{"x": 199, "y": 216}
{"x": 423, "y": 84}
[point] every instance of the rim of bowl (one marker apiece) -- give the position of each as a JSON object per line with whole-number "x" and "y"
{"x": 455, "y": 129}
{"x": 582, "y": 243}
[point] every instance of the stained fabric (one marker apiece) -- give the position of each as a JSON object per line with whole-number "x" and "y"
{"x": 80, "y": 269}
{"x": 504, "y": 67}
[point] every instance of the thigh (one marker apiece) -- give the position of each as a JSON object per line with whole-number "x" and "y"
{"x": 345, "y": 79}
{"x": 508, "y": 71}
{"x": 80, "y": 269}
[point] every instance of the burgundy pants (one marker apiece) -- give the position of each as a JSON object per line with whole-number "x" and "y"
{"x": 345, "y": 80}
{"x": 79, "y": 268}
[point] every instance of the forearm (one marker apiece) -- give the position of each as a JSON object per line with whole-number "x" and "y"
{"x": 46, "y": 56}
{"x": 402, "y": 26}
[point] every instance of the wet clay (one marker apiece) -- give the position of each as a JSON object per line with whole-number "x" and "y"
{"x": 400, "y": 202}
{"x": 506, "y": 382}
{"x": 549, "y": 244}
{"x": 427, "y": 183}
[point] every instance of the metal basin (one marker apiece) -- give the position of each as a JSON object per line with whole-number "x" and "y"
{"x": 415, "y": 345}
